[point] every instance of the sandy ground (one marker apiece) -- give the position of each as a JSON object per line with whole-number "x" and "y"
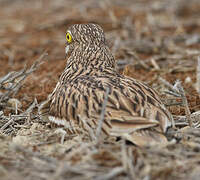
{"x": 152, "y": 40}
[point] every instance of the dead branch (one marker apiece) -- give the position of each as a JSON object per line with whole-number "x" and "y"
{"x": 198, "y": 75}
{"x": 185, "y": 102}
{"x": 15, "y": 78}
{"x": 103, "y": 111}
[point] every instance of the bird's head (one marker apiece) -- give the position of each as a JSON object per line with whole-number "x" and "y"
{"x": 84, "y": 34}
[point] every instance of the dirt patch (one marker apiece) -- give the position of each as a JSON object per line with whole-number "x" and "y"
{"x": 153, "y": 41}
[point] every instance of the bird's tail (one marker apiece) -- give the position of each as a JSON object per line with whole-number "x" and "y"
{"x": 146, "y": 137}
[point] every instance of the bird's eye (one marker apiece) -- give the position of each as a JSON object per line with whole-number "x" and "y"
{"x": 68, "y": 37}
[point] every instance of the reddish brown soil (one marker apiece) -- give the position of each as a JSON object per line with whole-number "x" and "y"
{"x": 166, "y": 30}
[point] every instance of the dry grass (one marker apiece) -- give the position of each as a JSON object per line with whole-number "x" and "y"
{"x": 154, "y": 41}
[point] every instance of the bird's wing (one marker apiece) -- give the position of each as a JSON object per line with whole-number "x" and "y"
{"x": 131, "y": 103}
{"x": 131, "y": 106}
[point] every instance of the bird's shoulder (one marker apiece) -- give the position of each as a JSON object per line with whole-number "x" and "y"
{"x": 129, "y": 100}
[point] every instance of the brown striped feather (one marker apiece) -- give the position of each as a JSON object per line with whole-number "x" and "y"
{"x": 134, "y": 110}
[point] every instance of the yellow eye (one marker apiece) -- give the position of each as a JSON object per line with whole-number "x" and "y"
{"x": 68, "y": 37}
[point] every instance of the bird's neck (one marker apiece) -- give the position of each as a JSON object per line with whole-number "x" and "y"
{"x": 86, "y": 59}
{"x": 92, "y": 56}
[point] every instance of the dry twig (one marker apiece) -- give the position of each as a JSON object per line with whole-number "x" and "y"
{"x": 185, "y": 102}
{"x": 15, "y": 78}
{"x": 198, "y": 75}
{"x": 103, "y": 111}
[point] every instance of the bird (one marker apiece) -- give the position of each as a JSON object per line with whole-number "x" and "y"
{"x": 134, "y": 111}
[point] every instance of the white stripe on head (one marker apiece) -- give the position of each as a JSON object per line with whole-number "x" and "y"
{"x": 67, "y": 49}
{"x": 69, "y": 32}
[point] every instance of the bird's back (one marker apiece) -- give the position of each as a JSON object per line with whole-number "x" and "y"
{"x": 133, "y": 109}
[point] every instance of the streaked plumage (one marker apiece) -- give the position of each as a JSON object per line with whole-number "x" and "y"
{"x": 134, "y": 110}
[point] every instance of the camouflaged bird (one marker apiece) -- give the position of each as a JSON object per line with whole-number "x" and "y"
{"x": 134, "y": 111}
